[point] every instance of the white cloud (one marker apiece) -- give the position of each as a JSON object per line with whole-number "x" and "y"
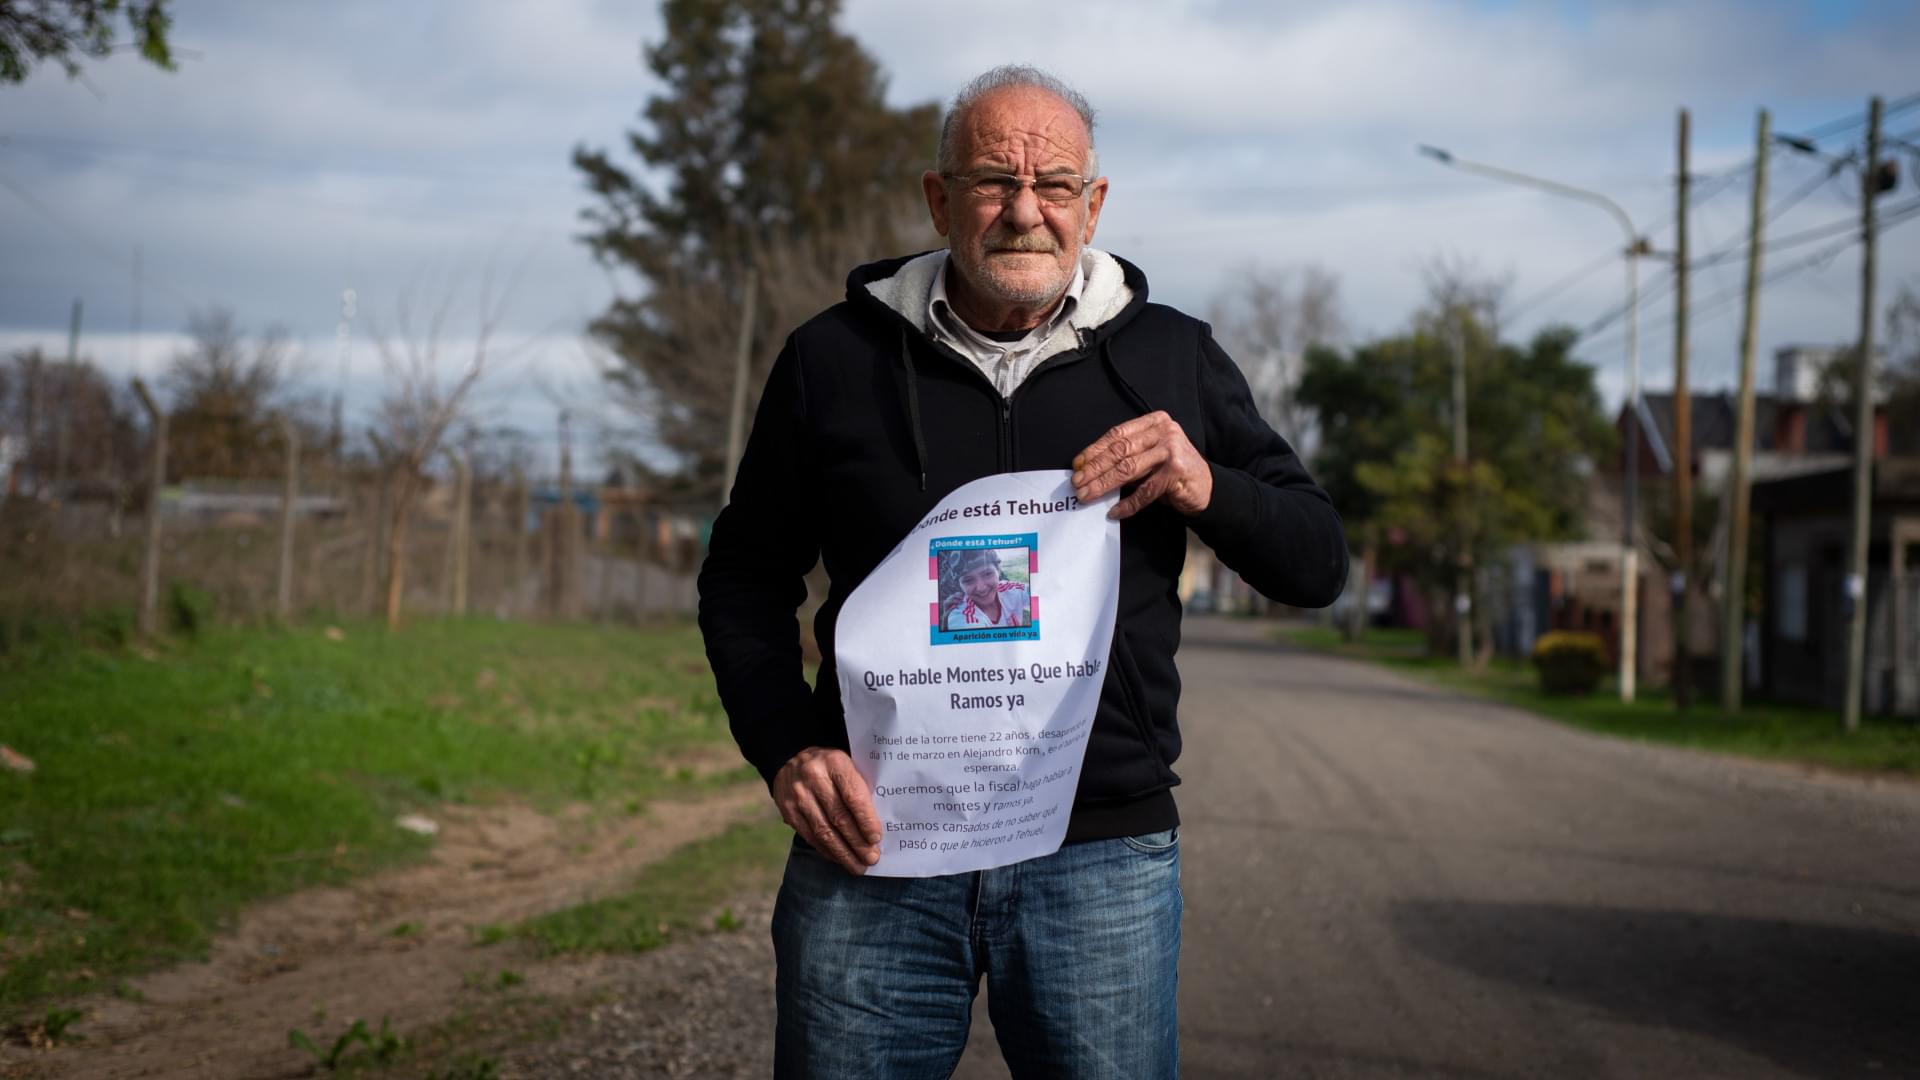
{"x": 304, "y": 148}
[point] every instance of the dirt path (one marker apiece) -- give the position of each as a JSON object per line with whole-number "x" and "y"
{"x": 319, "y": 959}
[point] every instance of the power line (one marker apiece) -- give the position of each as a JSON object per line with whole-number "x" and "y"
{"x": 1659, "y": 287}
{"x": 1561, "y": 285}
{"x": 1723, "y": 301}
{"x": 297, "y": 166}
{"x": 1819, "y": 180}
{"x": 87, "y": 241}
{"x": 1848, "y": 123}
{"x": 1706, "y": 186}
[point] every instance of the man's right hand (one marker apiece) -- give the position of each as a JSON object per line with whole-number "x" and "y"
{"x": 823, "y": 798}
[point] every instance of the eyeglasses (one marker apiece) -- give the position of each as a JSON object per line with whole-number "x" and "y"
{"x": 1003, "y": 187}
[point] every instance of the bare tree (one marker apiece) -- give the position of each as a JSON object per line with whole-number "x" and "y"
{"x": 1267, "y": 321}
{"x": 1457, "y": 287}
{"x": 427, "y": 393}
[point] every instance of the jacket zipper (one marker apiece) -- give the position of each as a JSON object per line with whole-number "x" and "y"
{"x": 1006, "y": 435}
{"x": 1004, "y": 452}
{"x": 1058, "y": 360}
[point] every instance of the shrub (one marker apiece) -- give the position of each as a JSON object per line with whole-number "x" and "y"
{"x": 189, "y": 610}
{"x": 110, "y": 627}
{"x": 1570, "y": 662}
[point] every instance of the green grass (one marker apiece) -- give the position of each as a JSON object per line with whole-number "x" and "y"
{"x": 1781, "y": 732}
{"x": 173, "y": 789}
{"x": 673, "y": 897}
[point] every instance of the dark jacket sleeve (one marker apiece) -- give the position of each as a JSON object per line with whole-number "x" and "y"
{"x": 754, "y": 579}
{"x": 1267, "y": 520}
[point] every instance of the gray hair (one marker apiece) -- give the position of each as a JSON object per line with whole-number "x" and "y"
{"x": 1008, "y": 77}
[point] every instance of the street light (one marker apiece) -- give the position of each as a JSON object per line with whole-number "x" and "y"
{"x": 1636, "y": 247}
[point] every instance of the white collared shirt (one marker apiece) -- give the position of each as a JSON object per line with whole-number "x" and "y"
{"x": 1005, "y": 363}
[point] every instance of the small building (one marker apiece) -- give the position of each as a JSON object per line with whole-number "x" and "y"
{"x": 1805, "y": 525}
{"x": 1797, "y": 433}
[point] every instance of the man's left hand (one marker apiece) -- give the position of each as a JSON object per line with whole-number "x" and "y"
{"x": 1151, "y": 452}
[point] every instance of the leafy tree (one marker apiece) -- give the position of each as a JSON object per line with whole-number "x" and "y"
{"x": 777, "y": 153}
{"x": 1386, "y": 452}
{"x": 62, "y": 30}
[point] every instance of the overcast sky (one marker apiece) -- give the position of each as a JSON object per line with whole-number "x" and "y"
{"x": 304, "y": 149}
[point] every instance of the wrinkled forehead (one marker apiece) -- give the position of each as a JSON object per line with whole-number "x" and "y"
{"x": 1026, "y": 126}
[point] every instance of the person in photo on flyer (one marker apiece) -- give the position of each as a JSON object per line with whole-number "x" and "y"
{"x": 985, "y": 599}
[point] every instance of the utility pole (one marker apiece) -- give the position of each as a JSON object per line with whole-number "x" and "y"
{"x": 1463, "y": 572}
{"x": 1863, "y": 435}
{"x": 737, "y": 416}
{"x": 1733, "y": 599}
{"x": 150, "y": 561}
{"x": 290, "y": 437}
{"x": 133, "y": 340}
{"x": 1630, "y": 533}
{"x": 1682, "y": 446}
{"x": 70, "y": 382}
{"x": 343, "y": 340}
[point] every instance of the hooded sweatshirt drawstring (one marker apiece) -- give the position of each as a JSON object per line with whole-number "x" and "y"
{"x": 913, "y": 406}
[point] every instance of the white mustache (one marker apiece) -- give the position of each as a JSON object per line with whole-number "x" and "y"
{"x": 1034, "y": 241}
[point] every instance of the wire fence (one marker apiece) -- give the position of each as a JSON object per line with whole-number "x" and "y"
{"x": 75, "y": 564}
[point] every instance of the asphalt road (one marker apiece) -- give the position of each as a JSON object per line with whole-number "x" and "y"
{"x": 1385, "y": 880}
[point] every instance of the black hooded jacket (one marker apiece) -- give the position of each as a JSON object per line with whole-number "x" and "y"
{"x": 866, "y": 422}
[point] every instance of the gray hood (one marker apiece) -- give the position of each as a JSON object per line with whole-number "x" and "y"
{"x": 1103, "y": 296}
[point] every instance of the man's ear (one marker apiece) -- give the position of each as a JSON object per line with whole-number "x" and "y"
{"x": 1096, "y": 198}
{"x": 936, "y": 191}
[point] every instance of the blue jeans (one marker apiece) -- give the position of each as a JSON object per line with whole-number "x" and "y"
{"x": 877, "y": 975}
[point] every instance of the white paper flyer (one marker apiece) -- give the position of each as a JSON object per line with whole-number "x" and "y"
{"x": 967, "y": 710}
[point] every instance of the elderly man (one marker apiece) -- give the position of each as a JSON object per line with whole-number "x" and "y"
{"x": 1017, "y": 347}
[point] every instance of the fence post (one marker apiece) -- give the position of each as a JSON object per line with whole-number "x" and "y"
{"x": 290, "y": 436}
{"x": 370, "y": 571}
{"x": 522, "y": 506}
{"x": 150, "y": 562}
{"x": 457, "y": 539}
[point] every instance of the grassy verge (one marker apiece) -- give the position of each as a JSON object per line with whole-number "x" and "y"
{"x": 675, "y": 899}
{"x": 1782, "y": 732}
{"x": 675, "y": 896}
{"x": 170, "y": 790}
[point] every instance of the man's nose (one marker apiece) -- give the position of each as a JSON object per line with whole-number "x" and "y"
{"x": 1023, "y": 210}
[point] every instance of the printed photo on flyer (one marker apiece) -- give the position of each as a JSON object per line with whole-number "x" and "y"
{"x": 984, "y": 588}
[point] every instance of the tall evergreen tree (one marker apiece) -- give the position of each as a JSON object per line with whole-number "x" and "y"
{"x": 33, "y": 31}
{"x": 770, "y": 146}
